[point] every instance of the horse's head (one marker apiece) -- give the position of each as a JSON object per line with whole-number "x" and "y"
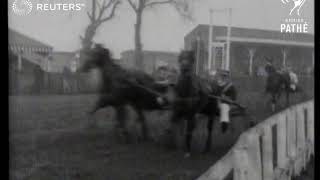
{"x": 93, "y": 58}
{"x": 186, "y": 61}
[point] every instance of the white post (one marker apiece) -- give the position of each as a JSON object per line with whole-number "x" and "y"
{"x": 227, "y": 65}
{"x": 255, "y": 169}
{"x": 251, "y": 54}
{"x": 284, "y": 57}
{"x": 198, "y": 55}
{"x": 291, "y": 138}
{"x": 210, "y": 41}
{"x": 49, "y": 65}
{"x": 301, "y": 139}
{"x": 312, "y": 59}
{"x": 267, "y": 154}
{"x": 281, "y": 140}
{"x": 19, "y": 61}
{"x": 310, "y": 116}
{"x": 241, "y": 164}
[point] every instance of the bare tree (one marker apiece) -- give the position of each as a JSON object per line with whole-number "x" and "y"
{"x": 139, "y": 6}
{"x": 102, "y": 11}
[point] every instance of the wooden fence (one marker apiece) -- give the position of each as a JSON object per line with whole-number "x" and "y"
{"x": 278, "y": 148}
{"x": 25, "y": 83}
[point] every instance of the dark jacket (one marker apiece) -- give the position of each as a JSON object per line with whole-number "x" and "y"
{"x": 227, "y": 90}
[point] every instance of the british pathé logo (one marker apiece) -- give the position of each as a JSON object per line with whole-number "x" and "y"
{"x": 297, "y": 4}
{"x": 22, "y": 7}
{"x": 294, "y": 24}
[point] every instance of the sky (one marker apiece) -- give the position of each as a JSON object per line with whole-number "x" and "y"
{"x": 162, "y": 29}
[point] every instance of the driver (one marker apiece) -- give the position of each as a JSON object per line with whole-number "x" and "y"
{"x": 227, "y": 91}
{"x": 293, "y": 78}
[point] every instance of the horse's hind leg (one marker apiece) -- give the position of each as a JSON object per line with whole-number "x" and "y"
{"x": 190, "y": 128}
{"x": 209, "y": 128}
{"x": 121, "y": 115}
{"x": 175, "y": 130}
{"x": 142, "y": 120}
{"x": 103, "y": 101}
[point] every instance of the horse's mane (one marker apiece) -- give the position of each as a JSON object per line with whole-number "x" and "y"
{"x": 108, "y": 55}
{"x": 121, "y": 72}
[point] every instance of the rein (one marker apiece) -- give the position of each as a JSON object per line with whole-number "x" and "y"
{"x": 227, "y": 101}
{"x": 162, "y": 96}
{"x": 144, "y": 88}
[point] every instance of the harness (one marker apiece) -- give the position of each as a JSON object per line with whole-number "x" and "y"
{"x": 226, "y": 88}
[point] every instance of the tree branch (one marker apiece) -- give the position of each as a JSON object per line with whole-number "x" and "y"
{"x": 104, "y": 7}
{"x": 152, "y": 3}
{"x": 115, "y": 5}
{"x": 134, "y": 7}
{"x": 90, "y": 17}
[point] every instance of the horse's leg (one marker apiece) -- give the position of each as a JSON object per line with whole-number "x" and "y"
{"x": 120, "y": 112}
{"x": 142, "y": 120}
{"x": 174, "y": 130}
{"x": 190, "y": 128}
{"x": 121, "y": 115}
{"x": 103, "y": 101}
{"x": 209, "y": 128}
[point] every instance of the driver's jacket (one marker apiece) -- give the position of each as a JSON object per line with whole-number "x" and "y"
{"x": 226, "y": 91}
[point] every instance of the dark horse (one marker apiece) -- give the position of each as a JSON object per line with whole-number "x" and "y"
{"x": 120, "y": 87}
{"x": 277, "y": 84}
{"x": 192, "y": 98}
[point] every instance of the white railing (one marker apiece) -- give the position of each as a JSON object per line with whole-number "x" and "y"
{"x": 277, "y": 148}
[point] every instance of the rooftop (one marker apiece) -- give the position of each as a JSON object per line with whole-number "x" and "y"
{"x": 146, "y": 52}
{"x": 17, "y": 38}
{"x": 256, "y": 33}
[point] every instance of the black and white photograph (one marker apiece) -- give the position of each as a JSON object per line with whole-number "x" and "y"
{"x": 161, "y": 89}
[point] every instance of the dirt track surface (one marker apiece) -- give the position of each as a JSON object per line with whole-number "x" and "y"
{"x": 51, "y": 138}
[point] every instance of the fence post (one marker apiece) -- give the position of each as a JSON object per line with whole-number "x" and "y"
{"x": 241, "y": 164}
{"x": 281, "y": 141}
{"x": 310, "y": 112}
{"x": 291, "y": 138}
{"x": 267, "y": 156}
{"x": 301, "y": 145}
{"x": 249, "y": 163}
{"x": 254, "y": 157}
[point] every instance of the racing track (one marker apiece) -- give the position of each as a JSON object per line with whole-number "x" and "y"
{"x": 50, "y": 138}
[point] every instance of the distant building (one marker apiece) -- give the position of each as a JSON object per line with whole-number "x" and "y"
{"x": 152, "y": 60}
{"x": 28, "y": 52}
{"x": 248, "y": 49}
